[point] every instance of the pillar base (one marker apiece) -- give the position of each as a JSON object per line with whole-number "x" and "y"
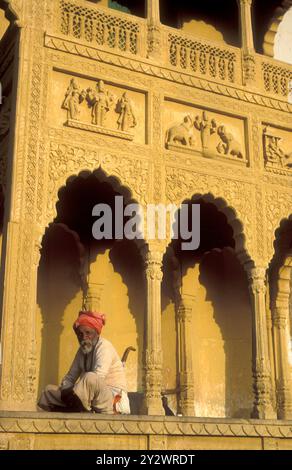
{"x": 264, "y": 412}
{"x": 10, "y": 405}
{"x": 152, "y": 407}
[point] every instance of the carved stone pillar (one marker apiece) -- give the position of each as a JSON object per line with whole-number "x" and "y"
{"x": 185, "y": 364}
{"x": 247, "y": 43}
{"x": 18, "y": 390}
{"x": 281, "y": 338}
{"x": 92, "y": 301}
{"x": 152, "y": 404}
{"x": 263, "y": 408}
{"x": 154, "y": 29}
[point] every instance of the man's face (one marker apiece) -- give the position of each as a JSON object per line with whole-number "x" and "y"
{"x": 87, "y": 338}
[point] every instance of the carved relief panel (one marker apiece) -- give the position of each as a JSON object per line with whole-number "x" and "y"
{"x": 98, "y": 106}
{"x": 277, "y": 144}
{"x": 204, "y": 133}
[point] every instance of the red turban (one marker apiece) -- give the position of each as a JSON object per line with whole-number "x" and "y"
{"x": 94, "y": 320}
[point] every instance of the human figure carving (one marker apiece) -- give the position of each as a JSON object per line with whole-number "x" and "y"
{"x": 96, "y": 380}
{"x": 274, "y": 152}
{"x": 73, "y": 99}
{"x": 127, "y": 117}
{"x": 182, "y": 134}
{"x": 206, "y": 128}
{"x": 228, "y": 144}
{"x": 100, "y": 100}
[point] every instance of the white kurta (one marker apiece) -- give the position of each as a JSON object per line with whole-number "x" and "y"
{"x": 105, "y": 362}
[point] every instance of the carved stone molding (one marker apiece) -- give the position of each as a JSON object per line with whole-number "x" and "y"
{"x": 81, "y": 50}
{"x": 98, "y": 129}
{"x": 174, "y": 426}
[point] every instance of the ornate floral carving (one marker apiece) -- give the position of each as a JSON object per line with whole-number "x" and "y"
{"x": 249, "y": 69}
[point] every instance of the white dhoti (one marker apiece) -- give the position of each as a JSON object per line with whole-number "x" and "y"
{"x": 93, "y": 393}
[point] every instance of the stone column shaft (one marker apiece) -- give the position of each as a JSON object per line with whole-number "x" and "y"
{"x": 153, "y": 355}
{"x": 153, "y": 10}
{"x": 247, "y": 42}
{"x": 263, "y": 408}
{"x": 185, "y": 364}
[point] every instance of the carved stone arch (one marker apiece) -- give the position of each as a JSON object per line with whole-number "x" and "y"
{"x": 101, "y": 175}
{"x": 68, "y": 162}
{"x": 284, "y": 279}
{"x": 279, "y": 264}
{"x": 269, "y": 38}
{"x": 282, "y": 241}
{"x": 232, "y": 219}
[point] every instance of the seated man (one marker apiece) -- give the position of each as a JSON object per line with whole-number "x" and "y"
{"x": 101, "y": 387}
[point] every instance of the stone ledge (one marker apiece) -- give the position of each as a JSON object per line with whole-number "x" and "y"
{"x": 38, "y": 422}
{"x": 98, "y": 129}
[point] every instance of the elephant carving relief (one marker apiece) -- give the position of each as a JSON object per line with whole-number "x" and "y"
{"x": 228, "y": 144}
{"x": 182, "y": 134}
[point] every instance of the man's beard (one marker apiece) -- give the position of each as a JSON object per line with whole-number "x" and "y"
{"x": 87, "y": 346}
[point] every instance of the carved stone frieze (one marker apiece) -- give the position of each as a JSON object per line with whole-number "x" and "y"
{"x": 174, "y": 426}
{"x": 73, "y": 47}
{"x": 101, "y": 108}
{"x": 205, "y": 134}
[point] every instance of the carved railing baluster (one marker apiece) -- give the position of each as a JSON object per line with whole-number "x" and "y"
{"x": 97, "y": 25}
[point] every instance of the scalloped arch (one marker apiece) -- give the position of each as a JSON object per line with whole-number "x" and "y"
{"x": 232, "y": 219}
{"x": 281, "y": 243}
{"x": 102, "y": 176}
{"x": 76, "y": 238}
{"x": 269, "y": 39}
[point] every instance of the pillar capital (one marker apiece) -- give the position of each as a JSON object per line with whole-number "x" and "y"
{"x": 257, "y": 279}
{"x": 153, "y": 262}
{"x": 185, "y": 308}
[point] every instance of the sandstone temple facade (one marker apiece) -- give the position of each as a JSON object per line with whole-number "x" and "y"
{"x": 161, "y": 103}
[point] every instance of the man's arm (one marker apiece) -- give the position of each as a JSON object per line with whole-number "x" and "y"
{"x": 73, "y": 373}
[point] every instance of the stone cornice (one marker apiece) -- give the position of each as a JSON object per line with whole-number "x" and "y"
{"x": 146, "y": 67}
{"x": 56, "y": 423}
